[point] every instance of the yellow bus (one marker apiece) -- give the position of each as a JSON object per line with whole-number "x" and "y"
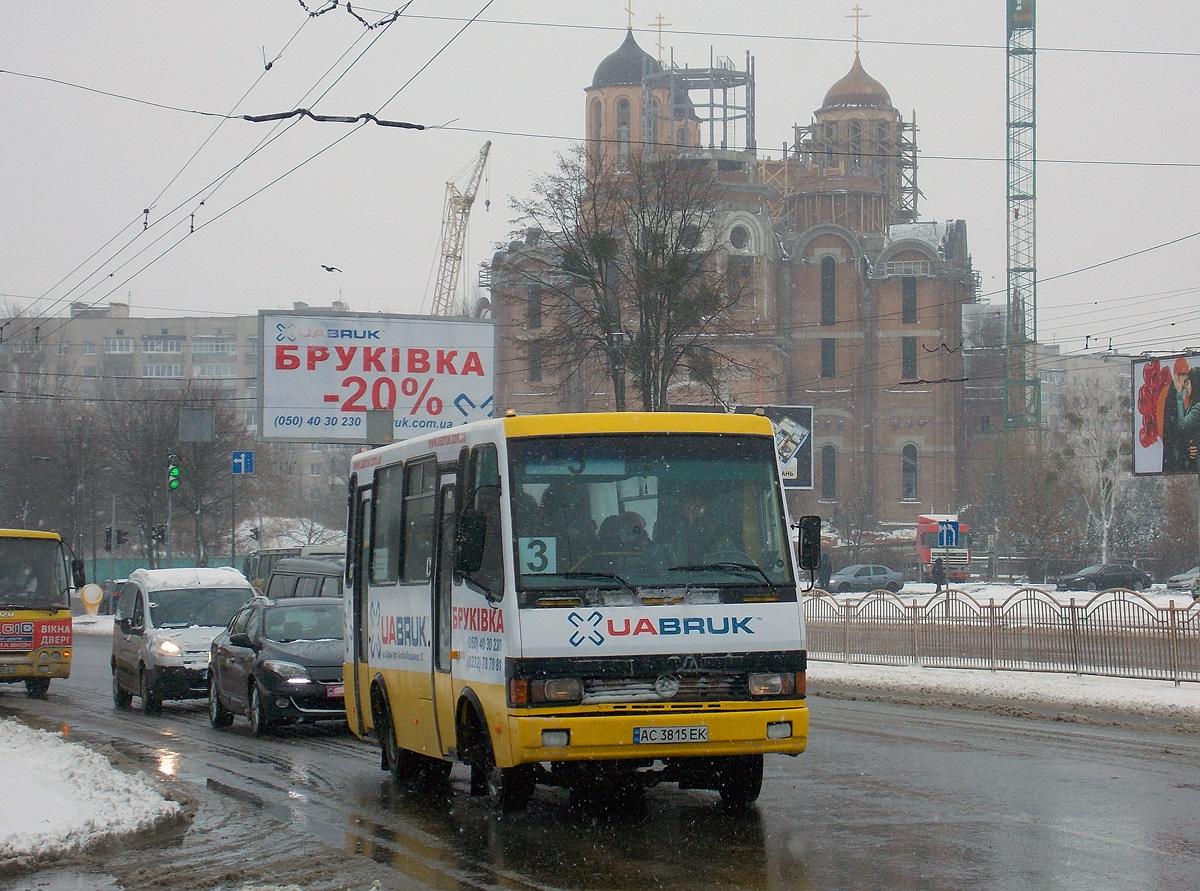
{"x": 577, "y": 600}
{"x": 37, "y": 578}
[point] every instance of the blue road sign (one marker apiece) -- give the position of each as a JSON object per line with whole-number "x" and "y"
{"x": 948, "y": 533}
{"x": 243, "y": 462}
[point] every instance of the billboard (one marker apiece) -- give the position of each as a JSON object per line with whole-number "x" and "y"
{"x": 1166, "y": 416}
{"x": 793, "y": 441}
{"x": 321, "y": 372}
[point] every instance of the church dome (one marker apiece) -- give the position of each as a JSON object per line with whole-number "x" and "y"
{"x": 628, "y": 65}
{"x": 857, "y": 89}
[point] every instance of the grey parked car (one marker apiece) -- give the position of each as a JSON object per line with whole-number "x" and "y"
{"x": 865, "y": 577}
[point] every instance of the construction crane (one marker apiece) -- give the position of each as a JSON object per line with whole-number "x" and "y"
{"x": 454, "y": 231}
{"x": 1022, "y": 389}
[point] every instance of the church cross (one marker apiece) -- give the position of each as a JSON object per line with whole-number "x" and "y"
{"x": 858, "y": 17}
{"x": 661, "y": 24}
{"x": 629, "y": 10}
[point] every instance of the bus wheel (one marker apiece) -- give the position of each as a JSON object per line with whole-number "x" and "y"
{"x": 739, "y": 779}
{"x": 399, "y": 762}
{"x": 508, "y": 788}
{"x": 121, "y": 699}
{"x": 151, "y": 704}
{"x": 35, "y": 688}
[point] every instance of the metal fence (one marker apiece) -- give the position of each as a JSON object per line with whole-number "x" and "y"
{"x": 1115, "y": 633}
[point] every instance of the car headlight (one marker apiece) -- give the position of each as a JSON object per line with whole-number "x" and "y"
{"x": 288, "y": 671}
{"x": 168, "y": 647}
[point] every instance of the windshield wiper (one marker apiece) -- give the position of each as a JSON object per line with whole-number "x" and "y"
{"x": 598, "y": 575}
{"x": 726, "y": 566}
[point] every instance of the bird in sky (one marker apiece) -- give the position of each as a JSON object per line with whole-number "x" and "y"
{"x": 330, "y": 268}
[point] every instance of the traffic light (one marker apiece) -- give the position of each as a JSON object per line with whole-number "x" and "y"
{"x": 172, "y": 471}
{"x": 159, "y": 533}
{"x": 254, "y": 532}
{"x": 108, "y": 538}
{"x": 120, "y": 538}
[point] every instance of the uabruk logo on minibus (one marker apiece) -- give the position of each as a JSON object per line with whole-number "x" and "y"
{"x": 596, "y": 628}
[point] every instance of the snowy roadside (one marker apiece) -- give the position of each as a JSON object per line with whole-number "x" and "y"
{"x": 62, "y": 798}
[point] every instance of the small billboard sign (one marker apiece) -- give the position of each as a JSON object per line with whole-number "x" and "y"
{"x": 1166, "y": 416}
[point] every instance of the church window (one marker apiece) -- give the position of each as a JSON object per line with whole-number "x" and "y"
{"x": 828, "y": 291}
{"x": 854, "y": 139}
{"x": 622, "y": 130}
{"x": 533, "y": 298}
{"x": 908, "y": 473}
{"x": 739, "y": 237}
{"x": 597, "y": 128}
{"x": 908, "y": 358}
{"x": 908, "y": 300}
{"x": 828, "y": 357}
{"x": 681, "y": 136}
{"x": 535, "y": 362}
{"x": 830, "y": 140}
{"x": 828, "y": 473}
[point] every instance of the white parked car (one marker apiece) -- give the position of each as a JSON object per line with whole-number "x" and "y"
{"x": 1185, "y": 581}
{"x": 165, "y": 624}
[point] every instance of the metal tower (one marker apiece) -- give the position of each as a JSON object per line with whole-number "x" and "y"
{"x": 1022, "y": 389}
{"x": 454, "y": 230}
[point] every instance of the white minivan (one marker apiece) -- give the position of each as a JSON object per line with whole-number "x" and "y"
{"x": 165, "y": 624}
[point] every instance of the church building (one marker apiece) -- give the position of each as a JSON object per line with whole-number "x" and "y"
{"x": 852, "y": 327}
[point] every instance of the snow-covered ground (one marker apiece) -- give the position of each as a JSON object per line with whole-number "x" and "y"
{"x": 63, "y": 797}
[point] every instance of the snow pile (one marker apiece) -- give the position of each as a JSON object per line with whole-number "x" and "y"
{"x": 68, "y": 797}
{"x": 1157, "y": 699}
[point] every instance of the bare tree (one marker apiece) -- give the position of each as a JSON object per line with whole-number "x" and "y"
{"x": 626, "y": 265}
{"x": 1099, "y": 445}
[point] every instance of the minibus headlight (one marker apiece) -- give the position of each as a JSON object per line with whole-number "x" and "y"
{"x": 556, "y": 690}
{"x": 771, "y": 683}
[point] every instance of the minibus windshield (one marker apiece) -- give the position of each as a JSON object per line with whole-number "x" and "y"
{"x": 648, "y": 517}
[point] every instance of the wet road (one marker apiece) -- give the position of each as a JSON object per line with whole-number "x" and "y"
{"x": 888, "y": 796}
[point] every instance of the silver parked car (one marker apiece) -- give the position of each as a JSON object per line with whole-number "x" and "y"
{"x": 865, "y": 577}
{"x": 165, "y": 623}
{"x": 1185, "y": 580}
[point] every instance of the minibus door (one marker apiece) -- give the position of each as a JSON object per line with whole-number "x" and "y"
{"x": 443, "y": 584}
{"x": 356, "y": 570}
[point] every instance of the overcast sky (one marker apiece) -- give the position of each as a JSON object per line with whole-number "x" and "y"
{"x": 111, "y": 108}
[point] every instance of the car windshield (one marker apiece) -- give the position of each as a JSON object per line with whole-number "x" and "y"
{"x": 210, "y": 607}
{"x": 1091, "y": 570}
{"x": 655, "y": 517}
{"x": 32, "y": 574}
{"x": 289, "y": 622}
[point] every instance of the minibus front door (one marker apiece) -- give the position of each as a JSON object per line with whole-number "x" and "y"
{"x": 443, "y": 584}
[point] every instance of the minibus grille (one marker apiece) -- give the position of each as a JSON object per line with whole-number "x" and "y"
{"x": 692, "y": 688}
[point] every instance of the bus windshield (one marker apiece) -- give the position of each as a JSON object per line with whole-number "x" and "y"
{"x": 616, "y": 518}
{"x": 32, "y": 574}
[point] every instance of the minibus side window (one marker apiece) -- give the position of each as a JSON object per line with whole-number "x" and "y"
{"x": 385, "y": 543}
{"x": 420, "y": 483}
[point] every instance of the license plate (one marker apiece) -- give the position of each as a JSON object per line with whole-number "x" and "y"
{"x": 694, "y": 734}
{"x": 334, "y": 690}
{"x": 8, "y": 669}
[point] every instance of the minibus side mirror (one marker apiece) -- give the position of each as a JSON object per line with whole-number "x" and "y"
{"x": 77, "y": 573}
{"x": 468, "y": 541}
{"x": 810, "y": 542}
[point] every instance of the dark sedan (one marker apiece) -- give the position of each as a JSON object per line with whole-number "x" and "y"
{"x": 279, "y": 662}
{"x": 1102, "y": 576}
